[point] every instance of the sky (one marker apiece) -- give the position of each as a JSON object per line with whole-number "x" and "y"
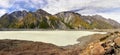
{"x": 106, "y": 8}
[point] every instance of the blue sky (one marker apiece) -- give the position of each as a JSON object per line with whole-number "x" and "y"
{"x": 106, "y": 8}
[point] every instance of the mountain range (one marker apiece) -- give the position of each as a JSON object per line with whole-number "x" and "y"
{"x": 41, "y": 19}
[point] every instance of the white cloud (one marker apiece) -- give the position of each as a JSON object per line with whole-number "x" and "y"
{"x": 38, "y": 3}
{"x": 105, "y": 3}
{"x": 55, "y": 6}
{"x": 6, "y": 3}
{"x": 85, "y": 6}
{"x": 2, "y": 11}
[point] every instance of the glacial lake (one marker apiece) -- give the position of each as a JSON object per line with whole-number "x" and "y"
{"x": 60, "y": 38}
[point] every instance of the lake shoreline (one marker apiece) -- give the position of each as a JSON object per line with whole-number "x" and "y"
{"x": 95, "y": 42}
{"x": 93, "y": 30}
{"x": 61, "y": 38}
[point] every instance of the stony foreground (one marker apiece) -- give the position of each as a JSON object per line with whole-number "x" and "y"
{"x": 108, "y": 44}
{"x": 98, "y": 44}
{"x": 16, "y": 47}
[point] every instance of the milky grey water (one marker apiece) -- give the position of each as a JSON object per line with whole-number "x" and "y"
{"x": 60, "y": 38}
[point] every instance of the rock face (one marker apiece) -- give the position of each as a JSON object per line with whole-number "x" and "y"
{"x": 40, "y": 19}
{"x": 97, "y": 49}
{"x": 117, "y": 41}
{"x": 73, "y": 20}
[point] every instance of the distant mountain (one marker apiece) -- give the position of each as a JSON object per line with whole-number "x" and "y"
{"x": 100, "y": 22}
{"x": 40, "y": 19}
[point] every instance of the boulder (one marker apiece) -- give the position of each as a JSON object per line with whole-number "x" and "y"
{"x": 117, "y": 41}
{"x": 97, "y": 49}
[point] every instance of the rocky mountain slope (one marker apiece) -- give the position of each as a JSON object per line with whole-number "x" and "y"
{"x": 30, "y": 20}
{"x": 40, "y": 19}
{"x": 73, "y": 20}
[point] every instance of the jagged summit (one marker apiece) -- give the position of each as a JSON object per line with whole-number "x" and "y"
{"x": 40, "y": 11}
